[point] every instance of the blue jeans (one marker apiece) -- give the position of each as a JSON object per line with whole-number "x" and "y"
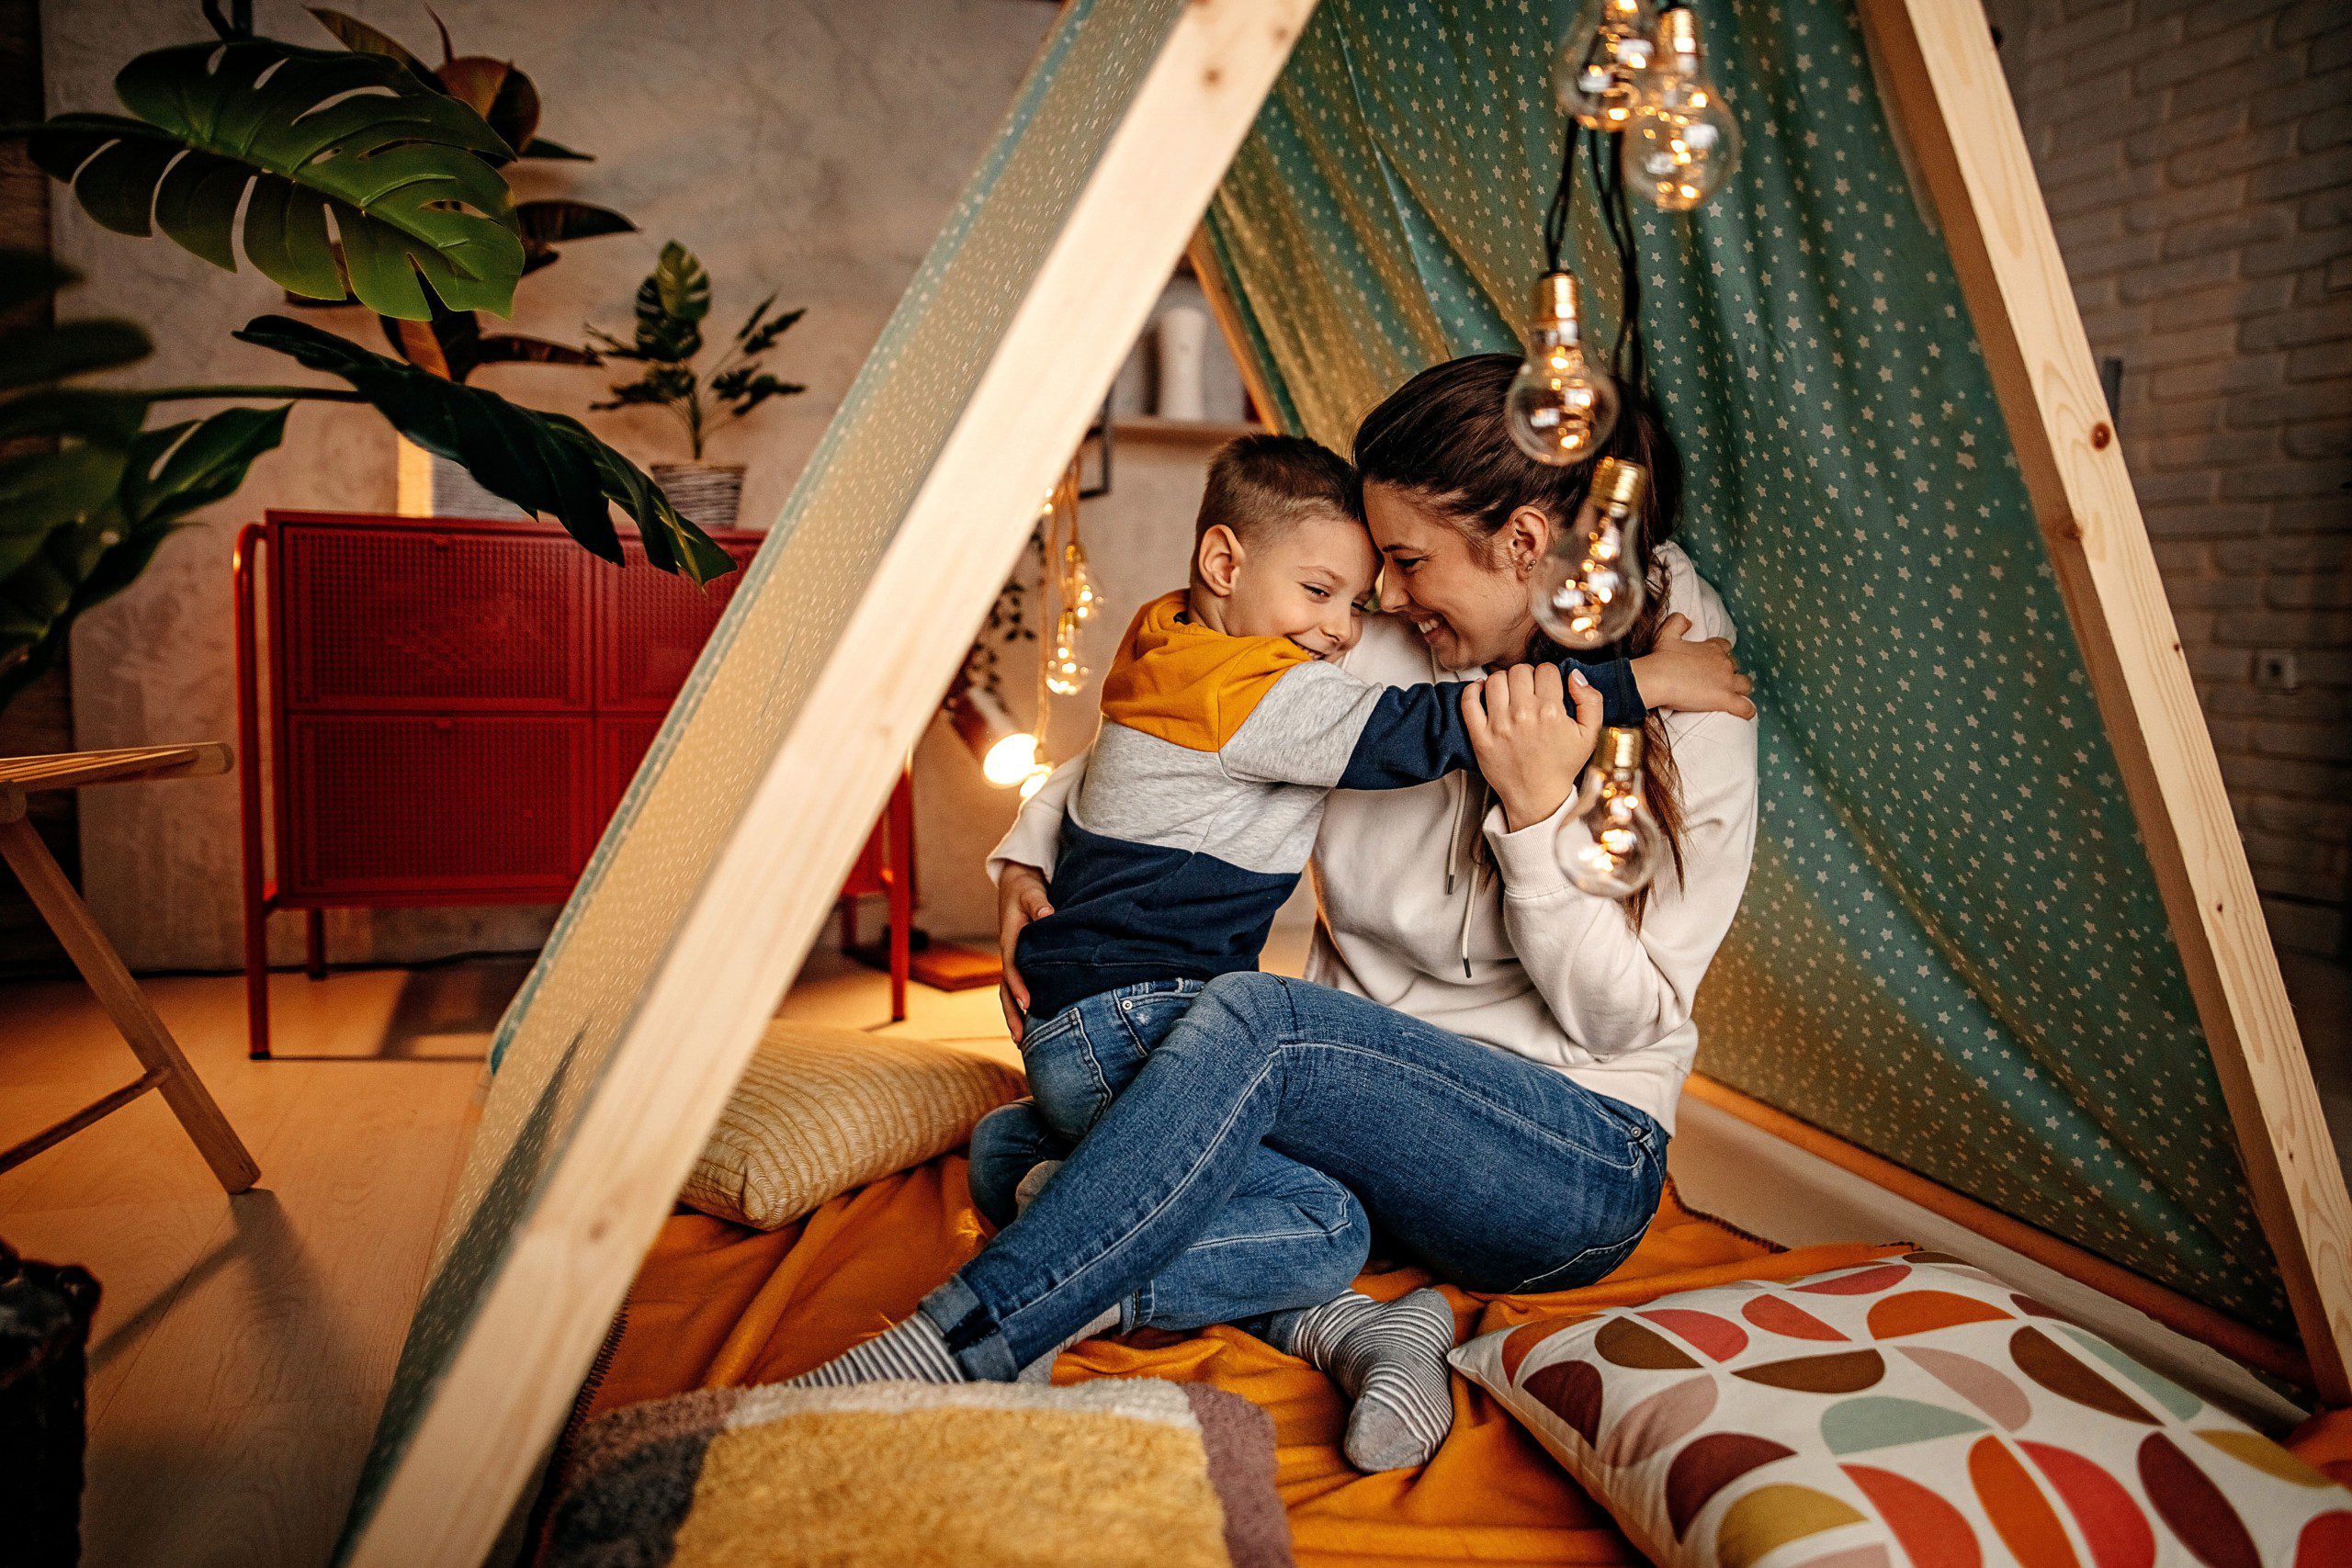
{"x": 1290, "y": 1236}
{"x": 1501, "y": 1175}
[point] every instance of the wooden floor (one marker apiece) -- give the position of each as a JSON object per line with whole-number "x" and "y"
{"x": 243, "y": 1346}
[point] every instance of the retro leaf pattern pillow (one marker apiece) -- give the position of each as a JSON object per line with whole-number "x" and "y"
{"x": 1908, "y": 1412}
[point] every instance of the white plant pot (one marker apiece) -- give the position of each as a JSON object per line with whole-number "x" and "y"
{"x": 708, "y": 494}
{"x": 1183, "y": 342}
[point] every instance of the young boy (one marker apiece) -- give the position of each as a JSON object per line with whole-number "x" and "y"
{"x": 1226, "y": 722}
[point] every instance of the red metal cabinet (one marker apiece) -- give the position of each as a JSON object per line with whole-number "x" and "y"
{"x": 454, "y": 708}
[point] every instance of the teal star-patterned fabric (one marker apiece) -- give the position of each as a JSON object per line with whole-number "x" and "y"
{"x": 1951, "y": 952}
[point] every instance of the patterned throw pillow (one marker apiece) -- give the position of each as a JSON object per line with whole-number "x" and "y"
{"x": 820, "y": 1111}
{"x": 1910, "y": 1411}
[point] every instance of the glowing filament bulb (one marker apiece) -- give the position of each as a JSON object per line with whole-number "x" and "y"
{"x": 1614, "y": 845}
{"x": 1010, "y": 760}
{"x": 1078, "y": 583}
{"x": 1064, "y": 673}
{"x": 1035, "y": 780}
{"x": 1681, "y": 143}
{"x": 1587, "y": 591}
{"x": 1597, "y": 77}
{"x": 1559, "y": 409}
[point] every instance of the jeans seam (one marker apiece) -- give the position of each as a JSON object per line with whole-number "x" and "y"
{"x": 1504, "y": 1112}
{"x": 1192, "y": 1176}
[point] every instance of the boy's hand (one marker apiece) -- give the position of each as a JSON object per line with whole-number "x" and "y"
{"x": 1020, "y": 898}
{"x": 1530, "y": 745}
{"x": 1692, "y": 677}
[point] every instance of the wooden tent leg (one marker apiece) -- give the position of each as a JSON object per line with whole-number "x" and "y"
{"x": 157, "y": 1052}
{"x": 1946, "y": 95}
{"x": 314, "y": 944}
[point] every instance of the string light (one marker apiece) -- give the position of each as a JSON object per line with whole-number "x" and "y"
{"x": 1557, "y": 409}
{"x": 1597, "y": 76}
{"x": 1065, "y": 675}
{"x": 1616, "y": 845}
{"x": 1587, "y": 589}
{"x": 1681, "y": 143}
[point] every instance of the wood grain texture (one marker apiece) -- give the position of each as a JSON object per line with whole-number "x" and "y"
{"x": 20, "y": 776}
{"x": 1948, "y": 99}
{"x": 153, "y": 1043}
{"x": 535, "y": 1327}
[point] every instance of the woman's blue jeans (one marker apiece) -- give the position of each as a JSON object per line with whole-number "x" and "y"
{"x": 1290, "y": 1236}
{"x": 1499, "y": 1174}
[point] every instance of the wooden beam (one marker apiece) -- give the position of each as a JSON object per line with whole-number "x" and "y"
{"x": 547, "y": 1301}
{"x": 1946, "y": 94}
{"x": 1211, "y": 278}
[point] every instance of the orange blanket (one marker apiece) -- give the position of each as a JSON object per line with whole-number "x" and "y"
{"x": 718, "y": 1304}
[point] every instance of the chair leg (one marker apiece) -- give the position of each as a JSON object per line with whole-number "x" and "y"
{"x": 901, "y": 841}
{"x": 314, "y": 944}
{"x": 128, "y": 1006}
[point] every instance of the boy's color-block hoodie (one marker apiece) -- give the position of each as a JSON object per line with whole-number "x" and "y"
{"x": 1204, "y": 789}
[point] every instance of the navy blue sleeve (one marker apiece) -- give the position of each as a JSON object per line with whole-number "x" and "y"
{"x": 1416, "y": 733}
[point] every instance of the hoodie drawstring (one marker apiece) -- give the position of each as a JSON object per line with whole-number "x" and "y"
{"x": 1468, "y": 811}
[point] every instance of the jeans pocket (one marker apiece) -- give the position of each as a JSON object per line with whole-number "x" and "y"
{"x": 1147, "y": 1019}
{"x": 1064, "y": 1078}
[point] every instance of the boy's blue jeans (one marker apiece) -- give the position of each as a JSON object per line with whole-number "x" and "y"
{"x": 1291, "y": 1237}
{"x": 1500, "y": 1173}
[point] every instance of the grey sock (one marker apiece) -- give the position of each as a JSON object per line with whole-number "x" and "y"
{"x": 1390, "y": 1358}
{"x": 912, "y": 1351}
{"x": 1042, "y": 1369}
{"x": 1033, "y": 1183}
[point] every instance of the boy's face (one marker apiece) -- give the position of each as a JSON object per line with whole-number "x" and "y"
{"x": 1307, "y": 583}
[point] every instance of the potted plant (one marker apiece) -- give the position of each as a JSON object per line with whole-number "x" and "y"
{"x": 671, "y": 305}
{"x": 249, "y": 146}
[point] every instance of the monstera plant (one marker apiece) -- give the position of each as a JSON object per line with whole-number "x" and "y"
{"x": 451, "y": 342}
{"x": 339, "y": 177}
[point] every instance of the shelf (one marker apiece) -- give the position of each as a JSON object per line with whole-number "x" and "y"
{"x": 1191, "y": 432}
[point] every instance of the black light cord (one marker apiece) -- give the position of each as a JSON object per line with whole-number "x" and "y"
{"x": 1564, "y": 197}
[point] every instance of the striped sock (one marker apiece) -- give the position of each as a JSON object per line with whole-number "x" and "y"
{"x": 912, "y": 1351}
{"x": 1033, "y": 1183}
{"x": 1041, "y": 1370}
{"x": 1390, "y": 1358}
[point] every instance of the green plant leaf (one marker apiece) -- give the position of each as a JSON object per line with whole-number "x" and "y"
{"x": 547, "y": 225}
{"x": 162, "y": 477}
{"x": 540, "y": 147}
{"x": 514, "y": 348}
{"x": 681, "y": 285}
{"x": 299, "y": 138}
{"x": 542, "y": 462}
{"x": 33, "y": 354}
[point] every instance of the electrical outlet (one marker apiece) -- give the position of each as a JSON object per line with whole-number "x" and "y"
{"x": 2274, "y": 671}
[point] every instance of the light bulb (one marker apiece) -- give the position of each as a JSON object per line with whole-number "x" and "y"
{"x": 1613, "y": 845}
{"x": 1587, "y": 589}
{"x": 1597, "y": 74}
{"x": 1077, "y": 582}
{"x": 1559, "y": 409}
{"x": 1681, "y": 143}
{"x": 1064, "y": 673}
{"x": 1035, "y": 780}
{"x": 1009, "y": 760}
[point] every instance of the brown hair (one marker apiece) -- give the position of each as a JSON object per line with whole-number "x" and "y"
{"x": 1441, "y": 438}
{"x": 1260, "y": 485}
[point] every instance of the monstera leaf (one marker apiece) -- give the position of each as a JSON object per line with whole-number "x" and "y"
{"x": 495, "y": 89}
{"x": 160, "y": 476}
{"x": 541, "y": 462}
{"x": 301, "y": 139}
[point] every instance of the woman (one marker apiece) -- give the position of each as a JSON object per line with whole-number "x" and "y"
{"x": 1486, "y": 1065}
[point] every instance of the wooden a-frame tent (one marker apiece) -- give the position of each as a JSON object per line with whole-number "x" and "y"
{"x": 716, "y": 873}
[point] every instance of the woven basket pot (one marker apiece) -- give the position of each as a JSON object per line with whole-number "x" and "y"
{"x": 708, "y": 494}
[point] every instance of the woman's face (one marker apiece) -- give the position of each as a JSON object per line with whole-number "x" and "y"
{"x": 1467, "y": 596}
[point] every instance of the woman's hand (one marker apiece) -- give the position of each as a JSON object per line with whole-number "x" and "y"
{"x": 1528, "y": 744}
{"x": 1692, "y": 677}
{"x": 1020, "y": 898}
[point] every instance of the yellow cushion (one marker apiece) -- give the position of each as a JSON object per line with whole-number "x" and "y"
{"x": 820, "y": 1111}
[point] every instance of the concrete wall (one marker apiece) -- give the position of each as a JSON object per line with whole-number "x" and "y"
{"x": 808, "y": 146}
{"x": 2197, "y": 158}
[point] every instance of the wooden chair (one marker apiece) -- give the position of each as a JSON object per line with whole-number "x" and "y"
{"x": 167, "y": 1070}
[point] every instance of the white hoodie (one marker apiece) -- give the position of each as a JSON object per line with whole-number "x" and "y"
{"x": 1411, "y": 918}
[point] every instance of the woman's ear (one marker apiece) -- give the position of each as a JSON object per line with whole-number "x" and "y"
{"x": 1523, "y": 538}
{"x": 1218, "y": 559}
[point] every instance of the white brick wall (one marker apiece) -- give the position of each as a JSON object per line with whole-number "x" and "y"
{"x": 2196, "y": 160}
